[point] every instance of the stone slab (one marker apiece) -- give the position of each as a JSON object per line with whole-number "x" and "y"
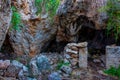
{"x": 112, "y": 56}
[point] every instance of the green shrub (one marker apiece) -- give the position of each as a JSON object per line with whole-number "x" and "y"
{"x": 113, "y": 71}
{"x": 62, "y": 63}
{"x": 112, "y": 9}
{"x": 49, "y": 5}
{"x": 16, "y": 18}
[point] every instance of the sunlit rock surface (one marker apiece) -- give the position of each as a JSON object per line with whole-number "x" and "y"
{"x": 35, "y": 32}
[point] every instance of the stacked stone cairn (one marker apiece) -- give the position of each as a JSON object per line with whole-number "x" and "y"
{"x": 76, "y": 54}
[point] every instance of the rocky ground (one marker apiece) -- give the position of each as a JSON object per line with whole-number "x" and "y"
{"x": 45, "y": 67}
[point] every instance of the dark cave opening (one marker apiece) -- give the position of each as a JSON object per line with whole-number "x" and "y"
{"x": 97, "y": 39}
{"x": 6, "y": 51}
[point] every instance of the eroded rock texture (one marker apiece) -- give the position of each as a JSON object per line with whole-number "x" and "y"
{"x": 75, "y": 14}
{"x": 5, "y": 18}
{"x": 35, "y": 32}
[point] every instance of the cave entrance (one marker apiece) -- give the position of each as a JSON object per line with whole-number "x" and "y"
{"x": 79, "y": 30}
{"x": 6, "y": 51}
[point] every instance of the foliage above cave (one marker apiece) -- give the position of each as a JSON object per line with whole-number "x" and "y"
{"x": 112, "y": 9}
{"x": 16, "y": 18}
{"x": 50, "y": 6}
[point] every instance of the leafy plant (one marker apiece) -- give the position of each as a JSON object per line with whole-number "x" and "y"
{"x": 16, "y": 18}
{"x": 50, "y": 6}
{"x": 113, "y": 71}
{"x": 112, "y": 9}
{"x": 62, "y": 63}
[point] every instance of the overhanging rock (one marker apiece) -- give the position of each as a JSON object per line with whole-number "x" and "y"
{"x": 75, "y": 14}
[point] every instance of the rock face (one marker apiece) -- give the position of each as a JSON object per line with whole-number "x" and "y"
{"x": 76, "y": 54}
{"x": 112, "y": 56}
{"x": 5, "y": 19}
{"x": 75, "y": 14}
{"x": 35, "y": 33}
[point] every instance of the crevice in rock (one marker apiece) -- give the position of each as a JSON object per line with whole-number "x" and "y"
{"x": 6, "y": 49}
{"x": 54, "y": 46}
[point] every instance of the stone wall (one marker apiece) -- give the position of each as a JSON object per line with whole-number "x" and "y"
{"x": 76, "y": 54}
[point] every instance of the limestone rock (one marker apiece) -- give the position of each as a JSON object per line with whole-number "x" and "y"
{"x": 39, "y": 64}
{"x": 35, "y": 33}
{"x": 17, "y": 64}
{"x": 12, "y": 71}
{"x": 75, "y": 14}
{"x": 84, "y": 7}
{"x": 34, "y": 68}
{"x": 4, "y": 64}
{"x": 71, "y": 51}
{"x": 67, "y": 56}
{"x": 66, "y": 69}
{"x": 23, "y": 73}
{"x": 74, "y": 61}
{"x": 23, "y": 69}
{"x": 76, "y": 53}
{"x": 5, "y": 19}
{"x": 31, "y": 78}
{"x": 2, "y": 72}
{"x": 43, "y": 63}
{"x": 7, "y": 78}
{"x": 54, "y": 76}
{"x": 112, "y": 56}
{"x": 83, "y": 57}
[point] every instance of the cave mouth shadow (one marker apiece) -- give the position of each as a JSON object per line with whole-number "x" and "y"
{"x": 97, "y": 41}
{"x": 6, "y": 49}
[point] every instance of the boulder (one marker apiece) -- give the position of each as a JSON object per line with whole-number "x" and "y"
{"x": 54, "y": 76}
{"x": 39, "y": 65}
{"x": 4, "y": 64}
{"x": 12, "y": 71}
{"x": 7, "y": 78}
{"x": 66, "y": 69}
{"x": 43, "y": 63}
{"x": 16, "y": 70}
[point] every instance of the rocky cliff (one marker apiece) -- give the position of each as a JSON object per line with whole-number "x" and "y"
{"x": 36, "y": 31}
